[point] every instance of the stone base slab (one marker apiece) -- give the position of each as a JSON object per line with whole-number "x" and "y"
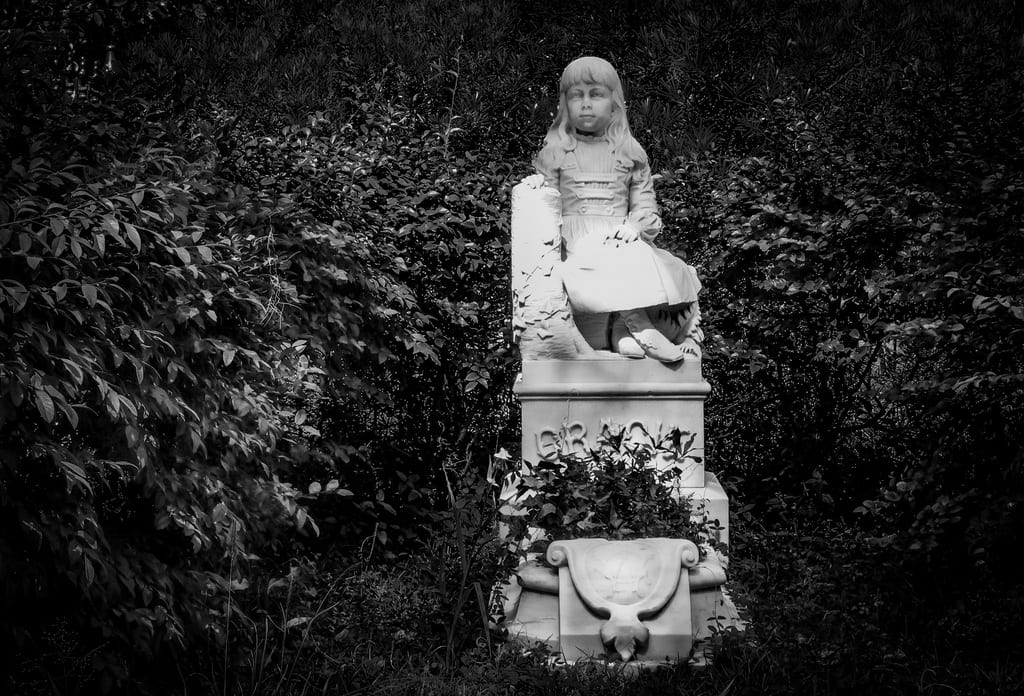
{"x": 536, "y": 621}
{"x": 709, "y": 501}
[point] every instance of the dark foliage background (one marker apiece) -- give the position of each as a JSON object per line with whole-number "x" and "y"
{"x": 255, "y": 352}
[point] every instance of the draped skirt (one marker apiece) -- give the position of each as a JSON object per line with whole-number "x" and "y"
{"x": 601, "y": 277}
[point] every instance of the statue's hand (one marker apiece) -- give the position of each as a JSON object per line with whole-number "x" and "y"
{"x": 535, "y": 181}
{"x": 623, "y": 234}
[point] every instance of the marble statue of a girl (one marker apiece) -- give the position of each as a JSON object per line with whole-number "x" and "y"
{"x": 612, "y": 272}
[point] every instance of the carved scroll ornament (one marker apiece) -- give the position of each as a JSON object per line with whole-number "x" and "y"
{"x": 625, "y": 581}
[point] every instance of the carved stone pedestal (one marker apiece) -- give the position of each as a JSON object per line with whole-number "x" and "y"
{"x": 675, "y": 600}
{"x": 647, "y": 397}
{"x": 544, "y": 605}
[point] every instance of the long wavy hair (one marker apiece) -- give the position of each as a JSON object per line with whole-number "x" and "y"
{"x": 559, "y": 137}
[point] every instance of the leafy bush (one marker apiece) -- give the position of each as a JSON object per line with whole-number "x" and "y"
{"x": 625, "y": 487}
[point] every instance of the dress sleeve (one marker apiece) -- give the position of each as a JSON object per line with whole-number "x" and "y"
{"x": 643, "y": 206}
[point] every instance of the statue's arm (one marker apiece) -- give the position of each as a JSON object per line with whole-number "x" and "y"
{"x": 643, "y": 205}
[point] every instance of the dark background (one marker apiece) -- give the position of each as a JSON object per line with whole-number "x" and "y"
{"x": 256, "y": 352}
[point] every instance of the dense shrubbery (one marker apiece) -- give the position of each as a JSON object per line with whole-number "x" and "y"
{"x": 253, "y": 285}
{"x": 624, "y": 487}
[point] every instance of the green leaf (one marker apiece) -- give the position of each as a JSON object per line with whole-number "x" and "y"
{"x": 89, "y": 291}
{"x": 18, "y": 293}
{"x": 71, "y": 414}
{"x": 44, "y": 403}
{"x": 74, "y": 370}
{"x": 133, "y": 236}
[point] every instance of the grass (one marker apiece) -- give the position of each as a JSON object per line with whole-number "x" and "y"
{"x": 827, "y": 615}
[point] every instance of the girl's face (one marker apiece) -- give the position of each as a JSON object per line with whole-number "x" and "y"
{"x": 590, "y": 106}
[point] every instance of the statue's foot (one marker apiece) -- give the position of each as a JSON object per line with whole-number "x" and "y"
{"x": 623, "y": 342}
{"x": 691, "y": 349}
{"x": 628, "y": 346}
{"x": 652, "y": 342}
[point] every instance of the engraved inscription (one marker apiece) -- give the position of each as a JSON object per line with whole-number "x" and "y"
{"x": 570, "y": 439}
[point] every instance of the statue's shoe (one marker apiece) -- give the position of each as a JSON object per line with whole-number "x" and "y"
{"x": 654, "y": 343}
{"x": 623, "y": 342}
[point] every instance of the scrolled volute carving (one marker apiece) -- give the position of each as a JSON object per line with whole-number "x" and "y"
{"x": 625, "y": 581}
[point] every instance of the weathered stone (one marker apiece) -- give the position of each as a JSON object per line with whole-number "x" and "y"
{"x": 535, "y": 619}
{"x": 538, "y": 577}
{"x": 581, "y": 397}
{"x": 542, "y": 320}
{"x": 632, "y": 596}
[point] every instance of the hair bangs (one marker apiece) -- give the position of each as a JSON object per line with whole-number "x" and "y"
{"x": 590, "y": 69}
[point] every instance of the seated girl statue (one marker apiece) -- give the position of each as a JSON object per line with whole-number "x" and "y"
{"x": 645, "y": 296}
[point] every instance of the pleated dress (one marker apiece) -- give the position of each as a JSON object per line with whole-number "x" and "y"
{"x": 598, "y": 194}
